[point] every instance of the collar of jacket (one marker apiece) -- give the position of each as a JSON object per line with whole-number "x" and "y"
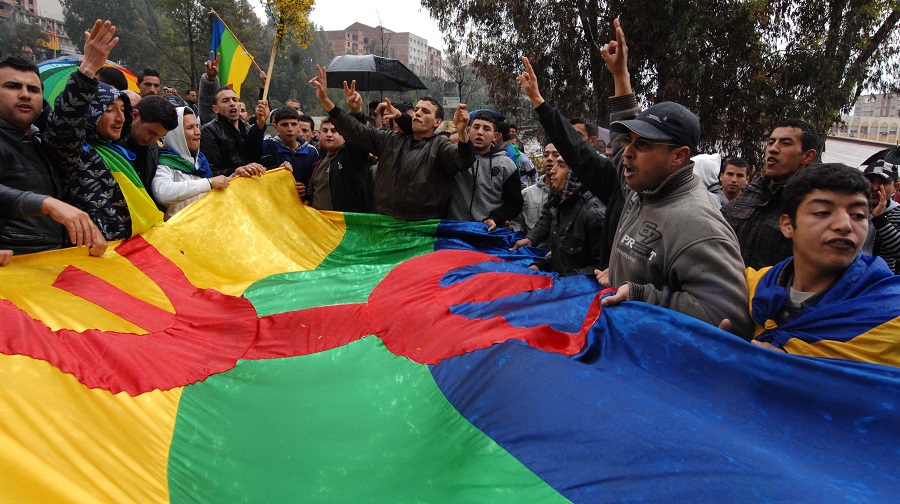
{"x": 17, "y": 133}
{"x": 225, "y": 120}
{"x": 282, "y": 145}
{"x": 680, "y": 182}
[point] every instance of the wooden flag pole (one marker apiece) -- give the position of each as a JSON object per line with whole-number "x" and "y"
{"x": 269, "y": 72}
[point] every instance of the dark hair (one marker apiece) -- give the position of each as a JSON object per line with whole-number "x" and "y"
{"x": 325, "y": 121}
{"x": 836, "y": 177}
{"x": 403, "y": 107}
{"x": 295, "y": 101}
{"x": 484, "y": 115}
{"x": 502, "y": 127}
{"x": 148, "y": 72}
{"x": 735, "y": 161}
{"x": 21, "y": 64}
{"x": 112, "y": 76}
{"x": 285, "y": 112}
{"x": 810, "y": 138}
{"x": 223, "y": 88}
{"x": 309, "y": 120}
{"x": 591, "y": 127}
{"x": 439, "y": 113}
{"x": 157, "y": 109}
{"x": 373, "y": 105}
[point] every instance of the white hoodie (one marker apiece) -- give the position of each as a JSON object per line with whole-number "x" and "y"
{"x": 174, "y": 188}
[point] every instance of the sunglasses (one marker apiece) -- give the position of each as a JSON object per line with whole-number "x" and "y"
{"x": 641, "y": 144}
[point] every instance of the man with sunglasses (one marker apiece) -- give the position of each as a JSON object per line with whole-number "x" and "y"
{"x": 672, "y": 247}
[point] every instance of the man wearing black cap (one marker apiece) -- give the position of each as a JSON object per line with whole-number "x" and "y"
{"x": 672, "y": 248}
{"x": 882, "y": 176}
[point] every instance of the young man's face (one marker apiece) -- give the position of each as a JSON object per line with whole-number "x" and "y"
{"x": 829, "y": 230}
{"x": 733, "y": 179}
{"x": 558, "y": 175}
{"x": 306, "y": 130}
{"x": 144, "y": 133}
{"x": 424, "y": 117}
{"x": 329, "y": 138}
{"x": 481, "y": 134}
{"x": 149, "y": 85}
{"x": 288, "y": 130}
{"x": 785, "y": 154}
{"x": 647, "y": 163}
{"x": 880, "y": 185}
{"x": 551, "y": 155}
{"x": 228, "y": 105}
{"x": 21, "y": 97}
{"x": 109, "y": 127}
{"x": 192, "y": 95}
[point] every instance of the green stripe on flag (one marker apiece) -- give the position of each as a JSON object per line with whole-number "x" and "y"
{"x": 353, "y": 424}
{"x": 372, "y": 246}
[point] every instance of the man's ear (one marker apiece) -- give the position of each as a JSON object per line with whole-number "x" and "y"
{"x": 498, "y": 137}
{"x": 682, "y": 156}
{"x": 808, "y": 157}
{"x": 437, "y": 122}
{"x": 787, "y": 229}
{"x": 135, "y": 115}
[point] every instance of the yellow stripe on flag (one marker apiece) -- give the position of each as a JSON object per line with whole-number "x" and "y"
{"x": 118, "y": 453}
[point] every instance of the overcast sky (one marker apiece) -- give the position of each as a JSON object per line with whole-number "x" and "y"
{"x": 396, "y": 15}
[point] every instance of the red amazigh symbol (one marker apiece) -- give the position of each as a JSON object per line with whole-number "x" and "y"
{"x": 210, "y": 331}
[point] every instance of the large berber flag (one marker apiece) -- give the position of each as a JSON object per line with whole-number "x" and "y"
{"x": 253, "y": 349}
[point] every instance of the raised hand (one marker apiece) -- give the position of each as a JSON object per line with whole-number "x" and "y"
{"x": 354, "y": 99}
{"x": 212, "y": 65}
{"x": 262, "y": 113}
{"x": 529, "y": 83}
{"x": 320, "y": 81}
{"x": 388, "y": 110}
{"x": 615, "y": 54}
{"x": 97, "y": 44}
{"x": 461, "y": 121}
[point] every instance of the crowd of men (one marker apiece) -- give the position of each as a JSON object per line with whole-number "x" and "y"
{"x": 645, "y": 215}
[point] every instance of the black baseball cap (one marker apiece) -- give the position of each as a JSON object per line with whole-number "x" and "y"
{"x": 882, "y": 168}
{"x": 667, "y": 121}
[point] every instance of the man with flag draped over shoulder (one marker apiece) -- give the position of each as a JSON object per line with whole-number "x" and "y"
{"x": 828, "y": 299}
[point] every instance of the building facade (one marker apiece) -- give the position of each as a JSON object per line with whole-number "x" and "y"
{"x": 411, "y": 49}
{"x": 878, "y": 105}
{"x": 48, "y": 15}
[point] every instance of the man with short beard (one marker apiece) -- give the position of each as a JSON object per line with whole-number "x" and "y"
{"x": 415, "y": 170}
{"x": 225, "y": 141}
{"x": 755, "y": 214}
{"x": 575, "y": 219}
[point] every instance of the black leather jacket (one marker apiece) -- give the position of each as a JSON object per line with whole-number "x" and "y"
{"x": 576, "y": 229}
{"x": 227, "y": 148}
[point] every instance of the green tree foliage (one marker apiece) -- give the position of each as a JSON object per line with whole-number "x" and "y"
{"x": 739, "y": 64}
{"x": 15, "y": 37}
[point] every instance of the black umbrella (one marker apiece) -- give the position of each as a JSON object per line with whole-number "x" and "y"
{"x": 891, "y": 155}
{"x": 372, "y": 73}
